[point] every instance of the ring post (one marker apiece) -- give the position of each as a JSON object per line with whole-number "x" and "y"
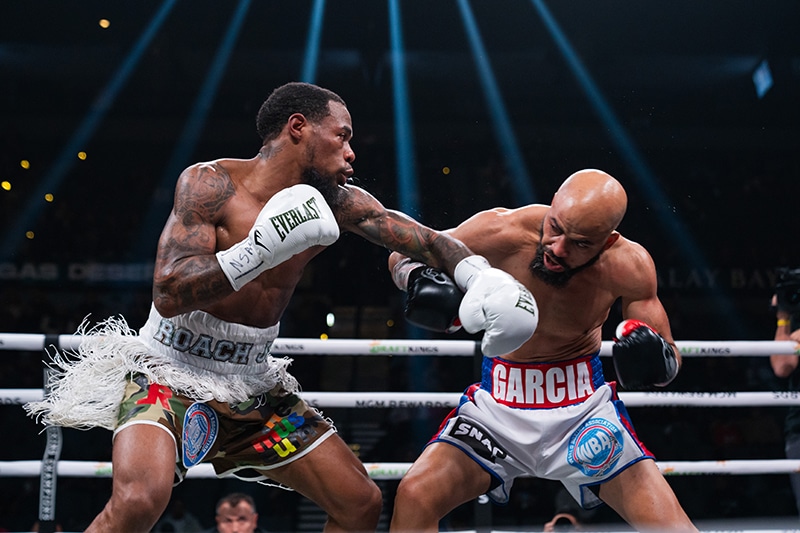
{"x": 49, "y": 469}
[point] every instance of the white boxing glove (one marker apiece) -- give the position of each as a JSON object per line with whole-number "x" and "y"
{"x": 293, "y": 220}
{"x": 497, "y": 303}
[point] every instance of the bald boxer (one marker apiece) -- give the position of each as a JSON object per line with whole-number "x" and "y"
{"x": 198, "y": 383}
{"x": 545, "y": 409}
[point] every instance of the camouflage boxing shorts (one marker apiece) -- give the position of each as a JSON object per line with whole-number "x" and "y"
{"x": 264, "y": 432}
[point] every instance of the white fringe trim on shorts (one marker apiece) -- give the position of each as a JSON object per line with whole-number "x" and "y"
{"x": 87, "y": 386}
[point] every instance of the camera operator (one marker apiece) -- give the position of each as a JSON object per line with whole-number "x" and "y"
{"x": 786, "y": 304}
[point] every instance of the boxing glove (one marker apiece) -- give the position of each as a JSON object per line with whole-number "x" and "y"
{"x": 433, "y": 300}
{"x": 642, "y": 357}
{"x": 293, "y": 220}
{"x": 497, "y": 303}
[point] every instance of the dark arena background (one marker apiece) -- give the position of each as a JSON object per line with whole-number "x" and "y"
{"x": 457, "y": 106}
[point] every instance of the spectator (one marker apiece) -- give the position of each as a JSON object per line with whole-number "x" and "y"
{"x": 786, "y": 302}
{"x": 562, "y": 522}
{"x": 236, "y": 513}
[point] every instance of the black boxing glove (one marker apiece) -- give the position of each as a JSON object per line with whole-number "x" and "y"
{"x": 433, "y": 300}
{"x": 642, "y": 357}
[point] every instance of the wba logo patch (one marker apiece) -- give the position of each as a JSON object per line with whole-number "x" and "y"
{"x": 595, "y": 448}
{"x": 200, "y": 429}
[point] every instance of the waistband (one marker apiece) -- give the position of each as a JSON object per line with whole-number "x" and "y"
{"x": 201, "y": 340}
{"x": 542, "y": 385}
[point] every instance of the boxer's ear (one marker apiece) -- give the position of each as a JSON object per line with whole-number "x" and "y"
{"x": 611, "y": 240}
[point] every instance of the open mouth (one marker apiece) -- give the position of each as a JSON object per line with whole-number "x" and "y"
{"x": 552, "y": 263}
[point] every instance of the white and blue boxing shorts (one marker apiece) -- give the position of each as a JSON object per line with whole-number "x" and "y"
{"x": 558, "y": 421}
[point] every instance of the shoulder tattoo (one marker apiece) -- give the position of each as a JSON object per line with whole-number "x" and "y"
{"x": 203, "y": 194}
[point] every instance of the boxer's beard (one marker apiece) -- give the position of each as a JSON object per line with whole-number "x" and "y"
{"x": 556, "y": 279}
{"x": 326, "y": 185}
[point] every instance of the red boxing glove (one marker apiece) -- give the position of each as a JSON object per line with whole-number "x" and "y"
{"x": 642, "y": 358}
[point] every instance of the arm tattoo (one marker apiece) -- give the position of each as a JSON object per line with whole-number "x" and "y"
{"x": 204, "y": 196}
{"x": 403, "y": 234}
{"x": 363, "y": 214}
{"x": 188, "y": 274}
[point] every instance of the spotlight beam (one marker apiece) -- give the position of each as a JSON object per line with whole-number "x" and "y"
{"x": 408, "y": 189}
{"x": 312, "y": 45}
{"x": 515, "y": 164}
{"x": 672, "y": 225}
{"x": 180, "y": 158}
{"x": 56, "y": 175}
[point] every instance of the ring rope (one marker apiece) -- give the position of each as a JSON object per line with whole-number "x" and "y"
{"x": 298, "y": 346}
{"x": 450, "y": 400}
{"x": 393, "y": 471}
{"x": 33, "y": 342}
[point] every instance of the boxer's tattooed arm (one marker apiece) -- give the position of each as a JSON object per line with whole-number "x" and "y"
{"x": 187, "y": 275}
{"x": 401, "y": 233}
{"x": 398, "y": 232}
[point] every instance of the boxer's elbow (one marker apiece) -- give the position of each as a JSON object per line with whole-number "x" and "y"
{"x": 165, "y": 298}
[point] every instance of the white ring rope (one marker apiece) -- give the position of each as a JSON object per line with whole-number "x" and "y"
{"x": 391, "y": 400}
{"x": 297, "y": 346}
{"x": 393, "y": 471}
{"x": 389, "y": 471}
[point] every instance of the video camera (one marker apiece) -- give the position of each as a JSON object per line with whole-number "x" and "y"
{"x": 787, "y": 289}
